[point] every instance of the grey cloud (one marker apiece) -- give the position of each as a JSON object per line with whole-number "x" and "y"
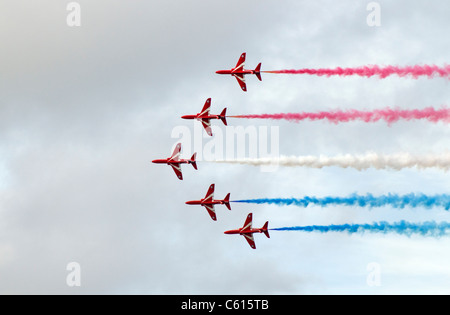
{"x": 84, "y": 110}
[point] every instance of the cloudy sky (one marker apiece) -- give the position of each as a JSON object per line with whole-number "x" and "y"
{"x": 83, "y": 111}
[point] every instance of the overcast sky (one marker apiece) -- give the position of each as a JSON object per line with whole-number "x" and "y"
{"x": 84, "y": 110}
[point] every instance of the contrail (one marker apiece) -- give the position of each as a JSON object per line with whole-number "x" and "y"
{"x": 338, "y": 116}
{"x": 374, "y": 70}
{"x": 359, "y": 162}
{"x": 397, "y": 201}
{"x": 429, "y": 228}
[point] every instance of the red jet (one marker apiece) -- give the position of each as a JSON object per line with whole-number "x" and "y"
{"x": 247, "y": 231}
{"x": 176, "y": 162}
{"x": 208, "y": 202}
{"x": 238, "y": 72}
{"x": 205, "y": 117}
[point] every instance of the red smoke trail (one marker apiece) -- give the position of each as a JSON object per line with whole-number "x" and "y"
{"x": 337, "y": 116}
{"x": 374, "y": 70}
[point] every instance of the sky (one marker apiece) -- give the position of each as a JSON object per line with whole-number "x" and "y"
{"x": 84, "y": 109}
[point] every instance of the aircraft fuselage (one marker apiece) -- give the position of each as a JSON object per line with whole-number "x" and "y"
{"x": 231, "y": 72}
{"x": 201, "y": 117}
{"x": 242, "y": 231}
{"x": 201, "y": 202}
{"x": 168, "y": 161}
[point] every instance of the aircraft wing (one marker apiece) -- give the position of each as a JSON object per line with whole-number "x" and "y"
{"x": 250, "y": 240}
{"x": 211, "y": 211}
{"x": 241, "y": 80}
{"x": 177, "y": 170}
{"x": 206, "y": 107}
{"x": 240, "y": 64}
{"x": 248, "y": 223}
{"x": 206, "y": 123}
{"x": 210, "y": 193}
{"x": 176, "y": 153}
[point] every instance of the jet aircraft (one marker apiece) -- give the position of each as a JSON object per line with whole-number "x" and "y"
{"x": 175, "y": 161}
{"x": 208, "y": 202}
{"x": 204, "y": 116}
{"x": 238, "y": 72}
{"x": 247, "y": 231}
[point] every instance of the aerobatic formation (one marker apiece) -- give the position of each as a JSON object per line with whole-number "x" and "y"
{"x": 359, "y": 162}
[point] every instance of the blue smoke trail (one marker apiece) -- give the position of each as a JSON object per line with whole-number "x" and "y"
{"x": 429, "y": 228}
{"x": 396, "y": 201}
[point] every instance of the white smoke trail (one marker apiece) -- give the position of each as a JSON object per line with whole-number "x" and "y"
{"x": 359, "y": 162}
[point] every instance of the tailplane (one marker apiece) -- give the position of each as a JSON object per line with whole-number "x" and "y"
{"x": 258, "y": 71}
{"x": 265, "y": 229}
{"x": 223, "y": 116}
{"x": 193, "y": 162}
{"x": 227, "y": 201}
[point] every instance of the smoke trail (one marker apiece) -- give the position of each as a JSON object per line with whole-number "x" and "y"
{"x": 429, "y": 228}
{"x": 338, "y": 116}
{"x": 374, "y": 70}
{"x": 394, "y": 200}
{"x": 359, "y": 162}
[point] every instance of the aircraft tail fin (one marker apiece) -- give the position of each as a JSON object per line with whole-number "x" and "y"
{"x": 227, "y": 201}
{"x": 265, "y": 229}
{"x": 223, "y": 116}
{"x": 193, "y": 162}
{"x": 258, "y": 71}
